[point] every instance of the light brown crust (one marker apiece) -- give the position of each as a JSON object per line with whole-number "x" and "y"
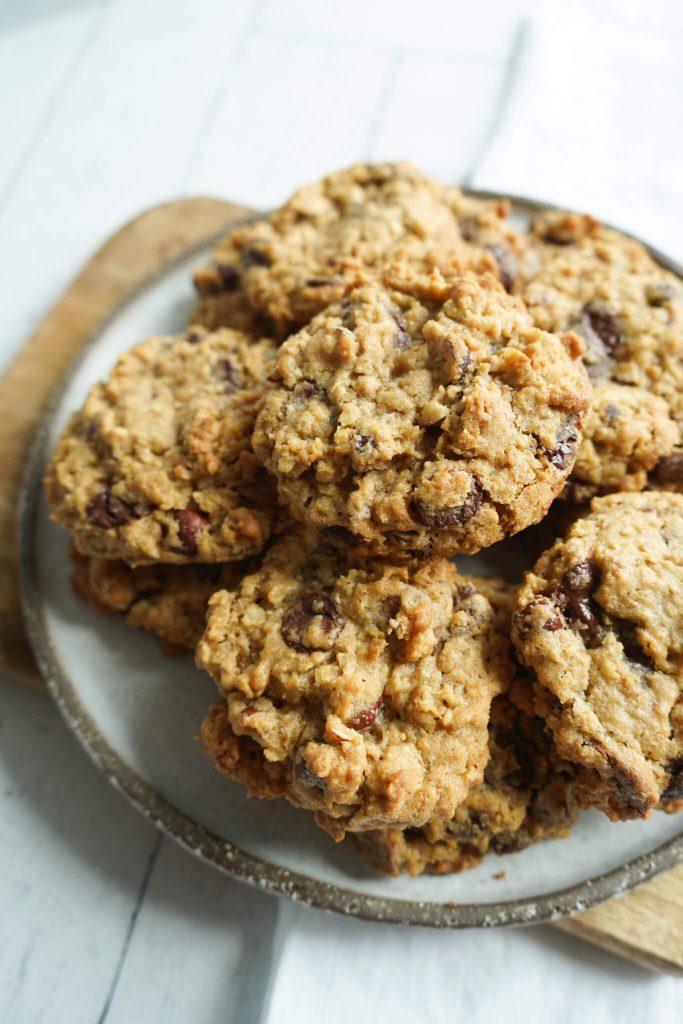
{"x": 600, "y": 623}
{"x": 345, "y": 227}
{"x": 157, "y": 465}
{"x": 370, "y": 685}
{"x": 427, "y": 415}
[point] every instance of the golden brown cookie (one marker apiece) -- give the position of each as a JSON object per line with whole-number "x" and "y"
{"x": 157, "y": 465}
{"x": 527, "y": 795}
{"x": 348, "y": 225}
{"x": 426, "y": 415}
{"x": 367, "y": 686}
{"x": 600, "y": 623}
{"x": 584, "y": 277}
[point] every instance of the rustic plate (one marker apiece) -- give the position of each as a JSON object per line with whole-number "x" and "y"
{"x": 136, "y": 714}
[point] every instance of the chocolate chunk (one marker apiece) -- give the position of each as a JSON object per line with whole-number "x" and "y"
{"x": 551, "y": 624}
{"x": 106, "y": 511}
{"x": 573, "y": 596}
{"x": 325, "y": 282}
{"x": 190, "y": 525}
{"x": 402, "y": 336}
{"x": 340, "y": 535}
{"x": 301, "y": 616}
{"x": 307, "y": 777}
{"x": 365, "y": 718}
{"x": 669, "y": 469}
{"x": 604, "y": 324}
{"x": 194, "y": 337}
{"x": 633, "y": 652}
{"x": 227, "y": 371}
{"x": 508, "y": 264}
{"x": 658, "y": 293}
{"x": 456, "y": 515}
{"x": 363, "y": 444}
{"x": 308, "y": 389}
{"x": 253, "y": 257}
{"x": 674, "y": 788}
{"x": 229, "y": 276}
{"x": 565, "y": 446}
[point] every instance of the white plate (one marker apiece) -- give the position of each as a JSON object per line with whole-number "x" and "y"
{"x": 136, "y": 712}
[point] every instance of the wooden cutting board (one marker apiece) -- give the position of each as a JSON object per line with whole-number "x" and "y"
{"x": 645, "y": 926}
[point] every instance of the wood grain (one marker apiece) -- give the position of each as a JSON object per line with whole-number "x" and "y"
{"x": 115, "y": 270}
{"x": 645, "y": 926}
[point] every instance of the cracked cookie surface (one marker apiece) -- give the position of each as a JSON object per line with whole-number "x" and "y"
{"x": 351, "y": 223}
{"x": 425, "y": 415}
{"x": 527, "y": 795}
{"x": 606, "y": 287}
{"x": 157, "y": 465}
{"x": 367, "y": 688}
{"x": 599, "y": 620}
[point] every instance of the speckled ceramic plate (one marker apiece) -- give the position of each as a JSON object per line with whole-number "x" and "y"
{"x": 136, "y": 713}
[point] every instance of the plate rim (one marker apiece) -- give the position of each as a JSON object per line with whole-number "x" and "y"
{"x": 202, "y": 841}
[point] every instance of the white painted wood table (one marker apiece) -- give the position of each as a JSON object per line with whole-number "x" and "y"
{"x": 112, "y": 105}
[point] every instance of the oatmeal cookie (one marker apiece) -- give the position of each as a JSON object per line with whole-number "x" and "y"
{"x": 157, "y": 465}
{"x": 367, "y": 687}
{"x": 303, "y": 257}
{"x": 426, "y": 415}
{"x": 527, "y": 795}
{"x": 169, "y": 600}
{"x": 606, "y": 287}
{"x": 599, "y": 620}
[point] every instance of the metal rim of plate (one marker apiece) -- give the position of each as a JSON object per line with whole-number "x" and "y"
{"x": 206, "y": 844}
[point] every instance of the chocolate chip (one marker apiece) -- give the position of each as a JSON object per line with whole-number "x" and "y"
{"x": 562, "y": 454}
{"x": 633, "y": 652}
{"x": 669, "y": 469}
{"x": 307, "y": 777}
{"x": 605, "y": 324}
{"x": 301, "y": 616}
{"x": 229, "y": 276}
{"x": 627, "y": 794}
{"x": 194, "y": 337}
{"x": 554, "y": 623}
{"x": 402, "y": 337}
{"x": 365, "y": 718}
{"x": 227, "y": 371}
{"x": 106, "y": 510}
{"x": 658, "y": 293}
{"x": 308, "y": 389}
{"x": 573, "y": 596}
{"x": 674, "y": 788}
{"x": 465, "y": 364}
{"x": 508, "y": 264}
{"x": 325, "y": 282}
{"x": 363, "y": 444}
{"x": 253, "y": 257}
{"x": 190, "y": 525}
{"x": 456, "y": 515}
{"x": 340, "y": 535}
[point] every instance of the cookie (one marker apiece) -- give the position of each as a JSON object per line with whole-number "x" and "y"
{"x": 169, "y": 600}
{"x": 157, "y": 465}
{"x": 607, "y": 288}
{"x": 599, "y": 621}
{"x": 350, "y": 224}
{"x": 425, "y": 415}
{"x": 366, "y": 686}
{"x": 527, "y": 795}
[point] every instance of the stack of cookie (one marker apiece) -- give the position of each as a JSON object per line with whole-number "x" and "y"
{"x": 383, "y": 374}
